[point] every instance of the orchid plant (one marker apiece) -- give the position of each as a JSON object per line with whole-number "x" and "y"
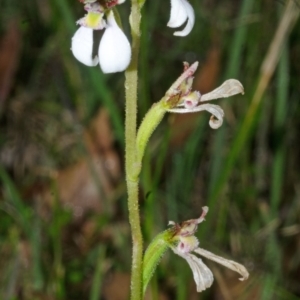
{"x": 116, "y": 54}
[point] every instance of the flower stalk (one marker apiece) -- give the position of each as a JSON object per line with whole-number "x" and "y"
{"x": 131, "y": 83}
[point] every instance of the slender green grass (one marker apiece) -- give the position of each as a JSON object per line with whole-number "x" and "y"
{"x": 98, "y": 274}
{"x": 36, "y": 244}
{"x": 13, "y": 201}
{"x": 274, "y": 252}
{"x": 232, "y": 71}
{"x": 280, "y": 113}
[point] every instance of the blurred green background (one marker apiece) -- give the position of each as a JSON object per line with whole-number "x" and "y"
{"x": 64, "y": 230}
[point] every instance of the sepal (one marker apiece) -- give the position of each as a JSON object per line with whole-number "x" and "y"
{"x": 155, "y": 252}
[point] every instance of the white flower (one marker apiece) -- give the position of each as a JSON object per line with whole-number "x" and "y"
{"x": 188, "y": 243}
{"x": 181, "y": 10}
{"x": 114, "y": 52}
{"x": 183, "y": 100}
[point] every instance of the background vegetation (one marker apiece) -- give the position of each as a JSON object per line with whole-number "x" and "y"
{"x": 64, "y": 232}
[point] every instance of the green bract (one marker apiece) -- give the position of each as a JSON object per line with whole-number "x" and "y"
{"x": 155, "y": 252}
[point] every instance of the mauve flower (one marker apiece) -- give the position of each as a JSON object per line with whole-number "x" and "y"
{"x": 180, "y": 98}
{"x": 188, "y": 243}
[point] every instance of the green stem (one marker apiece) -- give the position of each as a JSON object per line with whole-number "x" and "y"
{"x": 131, "y": 83}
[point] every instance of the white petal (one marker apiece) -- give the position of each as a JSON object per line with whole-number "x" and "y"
{"x": 178, "y": 14}
{"x": 229, "y": 88}
{"x": 202, "y": 274}
{"x": 180, "y": 11}
{"x": 82, "y": 46}
{"x": 114, "y": 50}
{"x": 225, "y": 262}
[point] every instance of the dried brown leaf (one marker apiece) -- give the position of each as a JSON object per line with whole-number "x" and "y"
{"x": 10, "y": 46}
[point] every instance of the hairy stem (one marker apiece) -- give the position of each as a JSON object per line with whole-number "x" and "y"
{"x": 131, "y": 83}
